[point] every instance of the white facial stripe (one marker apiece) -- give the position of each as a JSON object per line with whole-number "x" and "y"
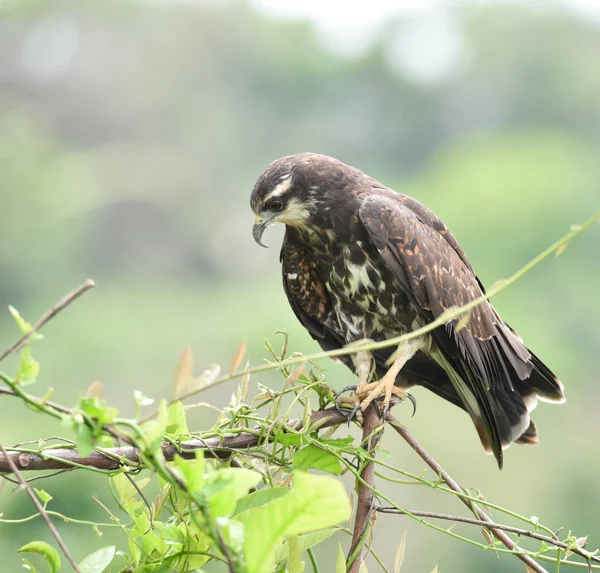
{"x": 281, "y": 188}
{"x": 295, "y": 213}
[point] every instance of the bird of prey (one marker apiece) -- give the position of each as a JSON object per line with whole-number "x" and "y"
{"x": 361, "y": 261}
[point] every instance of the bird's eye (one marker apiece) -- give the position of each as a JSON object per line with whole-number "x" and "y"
{"x": 274, "y": 205}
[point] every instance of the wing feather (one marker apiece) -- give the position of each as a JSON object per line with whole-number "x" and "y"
{"x": 484, "y": 355}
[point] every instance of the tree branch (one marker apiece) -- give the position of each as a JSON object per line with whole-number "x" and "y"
{"x": 110, "y": 459}
{"x": 49, "y": 314}
{"x": 445, "y": 476}
{"x": 522, "y": 532}
{"x": 364, "y": 505}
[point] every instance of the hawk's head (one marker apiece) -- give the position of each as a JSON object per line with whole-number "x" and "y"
{"x": 300, "y": 191}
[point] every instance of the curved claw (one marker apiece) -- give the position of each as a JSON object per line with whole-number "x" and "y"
{"x": 414, "y": 403}
{"x": 386, "y": 408}
{"x": 337, "y": 405}
{"x": 353, "y": 413}
{"x": 378, "y": 410}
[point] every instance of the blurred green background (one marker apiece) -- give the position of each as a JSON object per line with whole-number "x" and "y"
{"x": 131, "y": 134}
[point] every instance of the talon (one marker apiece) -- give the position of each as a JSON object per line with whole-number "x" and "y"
{"x": 343, "y": 411}
{"x": 378, "y": 410}
{"x": 386, "y": 409}
{"x": 353, "y": 413}
{"x": 414, "y": 403}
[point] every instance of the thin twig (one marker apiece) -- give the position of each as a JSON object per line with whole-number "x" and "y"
{"x": 517, "y": 530}
{"x": 364, "y": 505}
{"x": 44, "y": 404}
{"x": 40, "y": 509}
{"x": 48, "y": 315}
{"x": 445, "y": 476}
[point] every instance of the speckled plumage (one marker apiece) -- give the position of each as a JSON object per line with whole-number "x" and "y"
{"x": 362, "y": 261}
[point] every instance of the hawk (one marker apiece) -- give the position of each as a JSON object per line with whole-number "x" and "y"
{"x": 361, "y": 261}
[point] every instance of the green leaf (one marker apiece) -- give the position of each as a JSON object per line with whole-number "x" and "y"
{"x": 233, "y": 534}
{"x": 46, "y": 551}
{"x": 192, "y": 471}
{"x": 340, "y": 566}
{"x": 29, "y": 368}
{"x": 240, "y": 479}
{"x": 258, "y": 498}
{"x": 155, "y": 429}
{"x": 315, "y": 502}
{"x": 313, "y": 457}
{"x": 295, "y": 563}
{"x": 24, "y": 326}
{"x": 98, "y": 409}
{"x": 305, "y": 541}
{"x": 176, "y": 422}
{"x": 85, "y": 439}
{"x": 125, "y": 490}
{"x": 224, "y": 487}
{"x": 44, "y": 496}
{"x": 338, "y": 443}
{"x": 98, "y": 561}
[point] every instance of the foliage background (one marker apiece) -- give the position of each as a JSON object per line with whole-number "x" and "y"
{"x": 131, "y": 134}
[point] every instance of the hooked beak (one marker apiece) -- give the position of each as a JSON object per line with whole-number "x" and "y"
{"x": 259, "y": 227}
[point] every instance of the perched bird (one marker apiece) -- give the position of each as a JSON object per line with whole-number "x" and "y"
{"x": 361, "y": 261}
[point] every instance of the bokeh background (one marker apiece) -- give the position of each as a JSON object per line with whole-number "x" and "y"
{"x": 131, "y": 134}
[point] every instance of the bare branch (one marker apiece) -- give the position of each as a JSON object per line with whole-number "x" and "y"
{"x": 364, "y": 507}
{"x": 445, "y": 476}
{"x": 517, "y": 530}
{"x": 49, "y": 314}
{"x": 39, "y": 507}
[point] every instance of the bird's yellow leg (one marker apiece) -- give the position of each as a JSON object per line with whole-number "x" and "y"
{"x": 386, "y": 385}
{"x": 363, "y": 364}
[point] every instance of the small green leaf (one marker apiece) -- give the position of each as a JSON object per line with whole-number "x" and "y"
{"x": 98, "y": 410}
{"x": 44, "y": 496}
{"x": 98, "y": 561}
{"x": 176, "y": 422}
{"x": 155, "y": 429}
{"x": 29, "y": 368}
{"x": 313, "y": 457}
{"x": 24, "y": 326}
{"x": 46, "y": 551}
{"x": 340, "y": 566}
{"x": 85, "y": 439}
